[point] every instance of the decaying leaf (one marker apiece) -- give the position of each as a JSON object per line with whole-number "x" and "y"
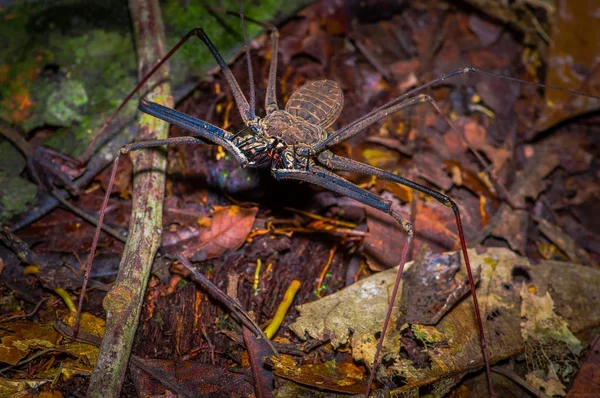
{"x": 343, "y": 377}
{"x": 572, "y": 62}
{"x": 511, "y": 224}
{"x": 71, "y": 366}
{"x": 19, "y": 388}
{"x": 20, "y": 338}
{"x": 355, "y": 315}
{"x": 432, "y": 287}
{"x": 476, "y": 135}
{"x": 588, "y": 380}
{"x": 549, "y": 343}
{"x": 550, "y": 385}
{"x": 564, "y": 242}
{"x": 228, "y": 229}
{"x": 385, "y": 240}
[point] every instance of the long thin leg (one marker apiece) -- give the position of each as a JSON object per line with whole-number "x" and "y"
{"x": 238, "y": 95}
{"x": 124, "y": 150}
{"x": 327, "y": 179}
{"x": 271, "y": 97}
{"x": 364, "y": 122}
{"x": 335, "y": 162}
{"x": 204, "y": 129}
{"x": 271, "y": 94}
{"x": 333, "y": 138}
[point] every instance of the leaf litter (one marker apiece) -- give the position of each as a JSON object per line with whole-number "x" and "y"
{"x": 551, "y": 177}
{"x": 354, "y": 315}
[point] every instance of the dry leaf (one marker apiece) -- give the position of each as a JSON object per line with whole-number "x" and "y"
{"x": 572, "y": 62}
{"x": 355, "y": 315}
{"x": 229, "y": 229}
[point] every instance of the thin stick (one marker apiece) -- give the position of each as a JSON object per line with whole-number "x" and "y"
{"x": 388, "y": 315}
{"x": 123, "y": 303}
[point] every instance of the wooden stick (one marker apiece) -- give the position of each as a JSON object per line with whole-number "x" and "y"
{"x": 124, "y": 302}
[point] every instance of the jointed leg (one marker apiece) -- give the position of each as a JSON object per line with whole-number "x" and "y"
{"x": 205, "y": 130}
{"x": 271, "y": 94}
{"x": 124, "y": 150}
{"x": 326, "y": 179}
{"x": 364, "y": 122}
{"x": 252, "y": 107}
{"x": 271, "y": 99}
{"x": 335, "y": 162}
{"x": 333, "y": 182}
{"x": 238, "y": 95}
{"x": 378, "y": 113}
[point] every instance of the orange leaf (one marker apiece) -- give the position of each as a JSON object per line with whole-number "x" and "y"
{"x": 229, "y": 229}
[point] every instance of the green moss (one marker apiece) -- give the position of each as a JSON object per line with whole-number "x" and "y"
{"x": 15, "y": 195}
{"x": 226, "y": 34}
{"x": 70, "y": 64}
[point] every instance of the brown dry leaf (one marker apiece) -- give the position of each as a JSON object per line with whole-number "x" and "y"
{"x": 257, "y": 351}
{"x": 49, "y": 394}
{"x": 510, "y": 225}
{"x": 572, "y": 62}
{"x": 433, "y": 287}
{"x": 87, "y": 353}
{"x": 355, "y": 315}
{"x": 19, "y": 388}
{"x": 476, "y": 135}
{"x": 428, "y": 168}
{"x": 343, "y": 377}
{"x": 70, "y": 367}
{"x": 588, "y": 378}
{"x": 435, "y": 223}
{"x": 393, "y": 143}
{"x": 542, "y": 323}
{"x": 550, "y": 385}
{"x": 487, "y": 33}
{"x": 384, "y": 243}
{"x": 469, "y": 179}
{"x": 192, "y": 378}
{"x": 546, "y": 332}
{"x": 317, "y": 43}
{"x": 382, "y": 158}
{"x": 564, "y": 242}
{"x": 229, "y": 229}
{"x": 88, "y": 323}
{"x": 19, "y": 338}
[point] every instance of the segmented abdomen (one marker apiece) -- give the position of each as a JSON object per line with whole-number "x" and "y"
{"x": 318, "y": 102}
{"x": 291, "y": 129}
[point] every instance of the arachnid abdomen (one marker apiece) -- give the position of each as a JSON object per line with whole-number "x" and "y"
{"x": 292, "y": 130}
{"x": 318, "y": 102}
{"x": 311, "y": 109}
